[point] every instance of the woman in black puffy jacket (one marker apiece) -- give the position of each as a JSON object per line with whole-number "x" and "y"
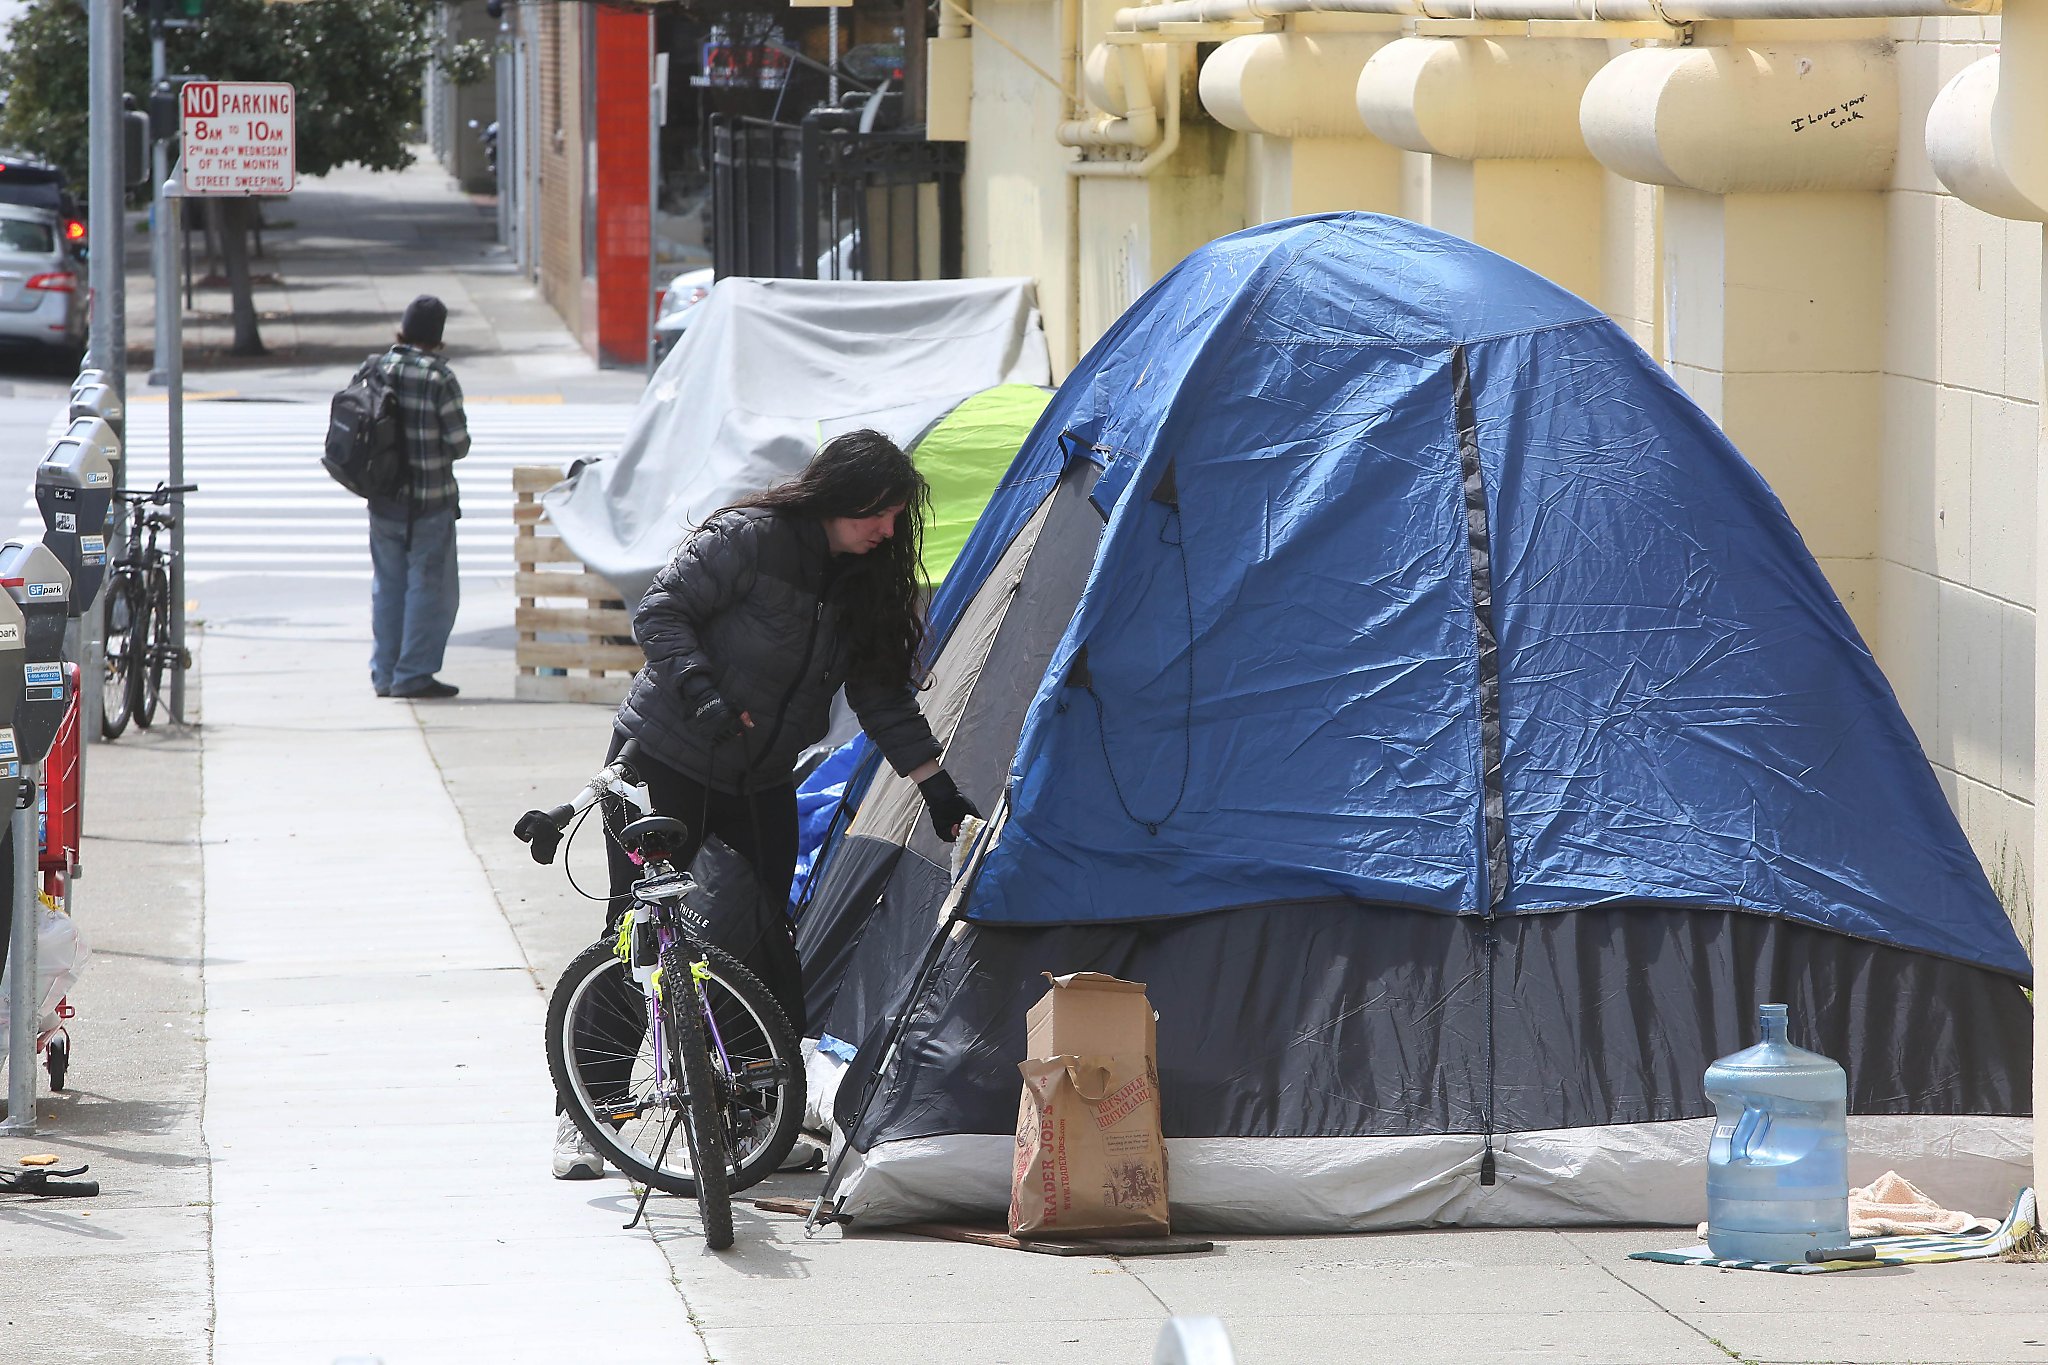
{"x": 764, "y": 613}
{"x": 767, "y": 610}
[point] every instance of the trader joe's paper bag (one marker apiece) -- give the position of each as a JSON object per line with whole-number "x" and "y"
{"x": 1090, "y": 1159}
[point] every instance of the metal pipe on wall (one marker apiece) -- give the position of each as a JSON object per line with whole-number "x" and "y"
{"x": 1169, "y": 137}
{"x": 1144, "y": 18}
{"x": 1070, "y": 108}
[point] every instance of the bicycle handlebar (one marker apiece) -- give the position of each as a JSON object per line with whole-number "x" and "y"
{"x": 161, "y": 493}
{"x": 45, "y": 1180}
{"x": 541, "y": 830}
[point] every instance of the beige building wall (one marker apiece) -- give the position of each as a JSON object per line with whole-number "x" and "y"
{"x": 1961, "y": 391}
{"x": 1016, "y": 196}
{"x": 1876, "y": 352}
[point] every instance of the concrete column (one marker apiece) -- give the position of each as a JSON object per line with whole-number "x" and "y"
{"x": 1295, "y": 93}
{"x": 1774, "y": 152}
{"x": 1984, "y": 140}
{"x": 1498, "y": 117}
{"x": 1773, "y": 321}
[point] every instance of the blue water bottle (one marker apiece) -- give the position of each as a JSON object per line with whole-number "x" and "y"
{"x": 1778, "y": 1168}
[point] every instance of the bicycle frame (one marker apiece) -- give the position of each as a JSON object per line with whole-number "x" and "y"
{"x": 664, "y": 917}
{"x": 670, "y": 933}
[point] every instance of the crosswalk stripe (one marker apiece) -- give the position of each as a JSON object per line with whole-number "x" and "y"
{"x": 265, "y": 505}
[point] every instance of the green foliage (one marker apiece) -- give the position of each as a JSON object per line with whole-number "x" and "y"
{"x": 358, "y": 66}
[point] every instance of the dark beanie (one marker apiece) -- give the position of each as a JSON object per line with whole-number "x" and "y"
{"x": 424, "y": 318}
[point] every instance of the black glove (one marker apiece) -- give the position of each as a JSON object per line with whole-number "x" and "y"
{"x": 710, "y": 718}
{"x": 948, "y": 807}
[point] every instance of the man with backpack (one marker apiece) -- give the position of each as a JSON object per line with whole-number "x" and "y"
{"x": 415, "y": 590}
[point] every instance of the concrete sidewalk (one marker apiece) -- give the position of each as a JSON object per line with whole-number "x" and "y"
{"x": 376, "y": 1113}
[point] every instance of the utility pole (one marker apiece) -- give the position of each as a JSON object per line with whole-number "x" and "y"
{"x": 103, "y": 123}
{"x": 170, "y": 320}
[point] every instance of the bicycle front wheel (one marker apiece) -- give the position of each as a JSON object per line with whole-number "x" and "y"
{"x": 703, "y": 1112}
{"x": 602, "y": 1061}
{"x": 154, "y": 636}
{"x": 119, "y": 610}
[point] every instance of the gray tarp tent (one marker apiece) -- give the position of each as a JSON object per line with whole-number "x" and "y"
{"x": 768, "y": 371}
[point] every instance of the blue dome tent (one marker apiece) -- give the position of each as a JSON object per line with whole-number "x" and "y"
{"x": 1381, "y": 658}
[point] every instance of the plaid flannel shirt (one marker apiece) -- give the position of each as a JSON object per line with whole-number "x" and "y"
{"x": 431, "y": 425}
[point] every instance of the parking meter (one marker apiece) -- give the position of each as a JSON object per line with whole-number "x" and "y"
{"x": 13, "y": 654}
{"x": 93, "y": 395}
{"x": 39, "y": 586}
{"x": 74, "y": 489}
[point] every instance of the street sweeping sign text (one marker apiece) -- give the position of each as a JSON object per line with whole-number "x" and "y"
{"x": 239, "y": 137}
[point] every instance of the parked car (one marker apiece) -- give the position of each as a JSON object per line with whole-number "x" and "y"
{"x": 42, "y": 291}
{"x": 678, "y": 303}
{"x": 34, "y": 183}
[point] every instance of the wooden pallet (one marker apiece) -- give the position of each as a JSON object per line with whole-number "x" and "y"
{"x": 589, "y": 654}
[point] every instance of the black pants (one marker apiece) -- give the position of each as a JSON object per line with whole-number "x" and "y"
{"x": 761, "y": 828}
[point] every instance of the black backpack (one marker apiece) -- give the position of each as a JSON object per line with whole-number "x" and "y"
{"x": 364, "y": 453}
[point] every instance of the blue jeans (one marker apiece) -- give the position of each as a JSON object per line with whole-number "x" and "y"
{"x": 412, "y": 597}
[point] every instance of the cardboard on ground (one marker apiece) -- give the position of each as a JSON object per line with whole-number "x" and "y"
{"x": 241, "y": 137}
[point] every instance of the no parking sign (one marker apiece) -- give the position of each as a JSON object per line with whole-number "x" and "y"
{"x": 240, "y": 137}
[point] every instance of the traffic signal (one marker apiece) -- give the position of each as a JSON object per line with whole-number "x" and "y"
{"x": 135, "y": 146}
{"x": 176, "y": 13}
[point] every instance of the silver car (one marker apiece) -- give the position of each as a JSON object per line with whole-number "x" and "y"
{"x": 42, "y": 288}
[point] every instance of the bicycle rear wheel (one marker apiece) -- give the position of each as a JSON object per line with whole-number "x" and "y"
{"x": 156, "y": 648}
{"x": 602, "y": 1062}
{"x": 703, "y": 1098}
{"x": 118, "y": 613}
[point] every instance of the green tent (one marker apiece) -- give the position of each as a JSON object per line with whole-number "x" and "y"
{"x": 964, "y": 454}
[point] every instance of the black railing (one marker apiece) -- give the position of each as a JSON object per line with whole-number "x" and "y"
{"x": 815, "y": 200}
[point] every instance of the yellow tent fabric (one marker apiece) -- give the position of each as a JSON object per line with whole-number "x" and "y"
{"x": 964, "y": 455}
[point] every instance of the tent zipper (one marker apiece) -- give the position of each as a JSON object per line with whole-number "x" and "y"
{"x": 1495, "y": 867}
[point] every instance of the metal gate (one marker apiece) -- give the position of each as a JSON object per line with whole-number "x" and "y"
{"x": 814, "y": 200}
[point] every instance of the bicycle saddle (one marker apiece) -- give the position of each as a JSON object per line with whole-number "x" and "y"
{"x": 655, "y": 836}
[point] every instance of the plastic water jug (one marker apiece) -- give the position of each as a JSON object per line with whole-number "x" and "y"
{"x": 1778, "y": 1169}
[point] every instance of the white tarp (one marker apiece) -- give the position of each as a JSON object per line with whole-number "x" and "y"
{"x": 1625, "y": 1173}
{"x": 770, "y": 369}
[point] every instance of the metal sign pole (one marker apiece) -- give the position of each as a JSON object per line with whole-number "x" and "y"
{"x": 174, "y": 342}
{"x": 103, "y": 120}
{"x": 23, "y": 972}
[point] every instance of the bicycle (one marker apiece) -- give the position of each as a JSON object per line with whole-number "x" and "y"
{"x": 136, "y": 615}
{"x": 654, "y": 1028}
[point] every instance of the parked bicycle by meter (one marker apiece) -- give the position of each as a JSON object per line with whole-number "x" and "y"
{"x": 655, "y": 1033}
{"x": 140, "y": 649}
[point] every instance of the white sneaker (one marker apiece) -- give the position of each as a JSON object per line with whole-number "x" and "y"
{"x": 807, "y": 1154}
{"x": 575, "y": 1158}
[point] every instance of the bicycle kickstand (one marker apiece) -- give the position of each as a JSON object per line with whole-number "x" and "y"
{"x": 667, "y": 1136}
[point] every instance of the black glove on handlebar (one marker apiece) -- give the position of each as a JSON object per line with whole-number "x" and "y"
{"x": 947, "y": 806}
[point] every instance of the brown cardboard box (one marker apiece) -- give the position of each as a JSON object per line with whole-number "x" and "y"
{"x": 1090, "y": 1159}
{"x": 1091, "y": 1013}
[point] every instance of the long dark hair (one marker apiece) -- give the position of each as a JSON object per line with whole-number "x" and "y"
{"x": 881, "y": 614}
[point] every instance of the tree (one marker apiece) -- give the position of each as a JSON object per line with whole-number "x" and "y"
{"x": 358, "y": 66}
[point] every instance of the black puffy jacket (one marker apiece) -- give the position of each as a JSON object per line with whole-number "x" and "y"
{"x": 748, "y": 600}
